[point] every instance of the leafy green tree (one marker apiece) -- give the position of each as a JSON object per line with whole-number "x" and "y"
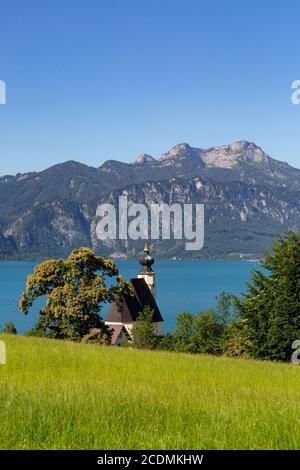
{"x": 183, "y": 332}
{"x": 200, "y": 333}
{"x": 167, "y": 343}
{"x": 270, "y": 309}
{"x": 143, "y": 330}
{"x": 236, "y": 342}
{"x": 206, "y": 332}
{"x": 224, "y": 311}
{"x": 75, "y": 289}
{"x": 9, "y": 328}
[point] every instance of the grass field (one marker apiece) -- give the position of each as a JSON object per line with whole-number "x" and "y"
{"x": 61, "y": 395}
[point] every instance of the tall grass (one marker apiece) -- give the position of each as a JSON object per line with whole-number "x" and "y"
{"x": 61, "y": 395}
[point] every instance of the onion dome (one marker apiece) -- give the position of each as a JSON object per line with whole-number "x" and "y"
{"x": 146, "y": 261}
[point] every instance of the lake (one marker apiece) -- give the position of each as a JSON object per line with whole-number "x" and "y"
{"x": 181, "y": 285}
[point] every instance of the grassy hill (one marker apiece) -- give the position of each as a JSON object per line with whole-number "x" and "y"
{"x": 61, "y": 395}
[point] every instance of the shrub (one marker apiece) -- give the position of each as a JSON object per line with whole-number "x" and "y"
{"x": 143, "y": 330}
{"x": 97, "y": 337}
{"x": 9, "y": 328}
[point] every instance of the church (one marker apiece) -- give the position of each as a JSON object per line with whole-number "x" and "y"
{"x": 122, "y": 316}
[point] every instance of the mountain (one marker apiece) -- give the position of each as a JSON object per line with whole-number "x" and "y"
{"x": 240, "y": 219}
{"x": 144, "y": 159}
{"x": 249, "y": 197}
{"x": 241, "y": 160}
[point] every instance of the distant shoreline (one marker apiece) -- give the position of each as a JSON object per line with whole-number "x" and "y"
{"x": 40, "y": 260}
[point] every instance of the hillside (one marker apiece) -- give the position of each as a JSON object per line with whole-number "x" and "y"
{"x": 51, "y": 212}
{"x": 240, "y": 220}
{"x": 60, "y": 395}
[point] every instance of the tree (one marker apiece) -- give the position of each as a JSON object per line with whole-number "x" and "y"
{"x": 166, "y": 343}
{"x": 206, "y": 332}
{"x": 75, "y": 289}
{"x": 143, "y": 330}
{"x": 200, "y": 333}
{"x": 9, "y": 328}
{"x": 270, "y": 309}
{"x": 224, "y": 310}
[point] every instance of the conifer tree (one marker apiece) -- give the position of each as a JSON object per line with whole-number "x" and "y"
{"x": 270, "y": 310}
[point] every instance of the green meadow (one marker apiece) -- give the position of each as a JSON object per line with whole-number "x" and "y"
{"x": 63, "y": 395}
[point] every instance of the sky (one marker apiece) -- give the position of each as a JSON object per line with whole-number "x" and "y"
{"x": 91, "y": 80}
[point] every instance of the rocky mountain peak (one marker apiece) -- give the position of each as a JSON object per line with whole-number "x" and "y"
{"x": 251, "y": 152}
{"x": 182, "y": 155}
{"x": 229, "y": 156}
{"x": 224, "y": 156}
{"x": 49, "y": 213}
{"x": 144, "y": 158}
{"x": 177, "y": 151}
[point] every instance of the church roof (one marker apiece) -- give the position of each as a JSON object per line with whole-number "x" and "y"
{"x": 128, "y": 308}
{"x": 117, "y": 330}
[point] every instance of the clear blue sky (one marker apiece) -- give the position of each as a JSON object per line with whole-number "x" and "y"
{"x": 95, "y": 79}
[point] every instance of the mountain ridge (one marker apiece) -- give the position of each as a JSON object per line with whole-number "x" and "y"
{"x": 48, "y": 213}
{"x": 145, "y": 158}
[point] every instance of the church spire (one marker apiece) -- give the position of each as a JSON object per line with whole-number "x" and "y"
{"x": 146, "y": 271}
{"x": 146, "y": 260}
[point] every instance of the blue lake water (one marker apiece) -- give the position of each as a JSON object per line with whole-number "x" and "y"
{"x": 181, "y": 285}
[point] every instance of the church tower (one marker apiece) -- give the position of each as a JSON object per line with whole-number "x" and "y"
{"x": 146, "y": 272}
{"x": 123, "y": 314}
